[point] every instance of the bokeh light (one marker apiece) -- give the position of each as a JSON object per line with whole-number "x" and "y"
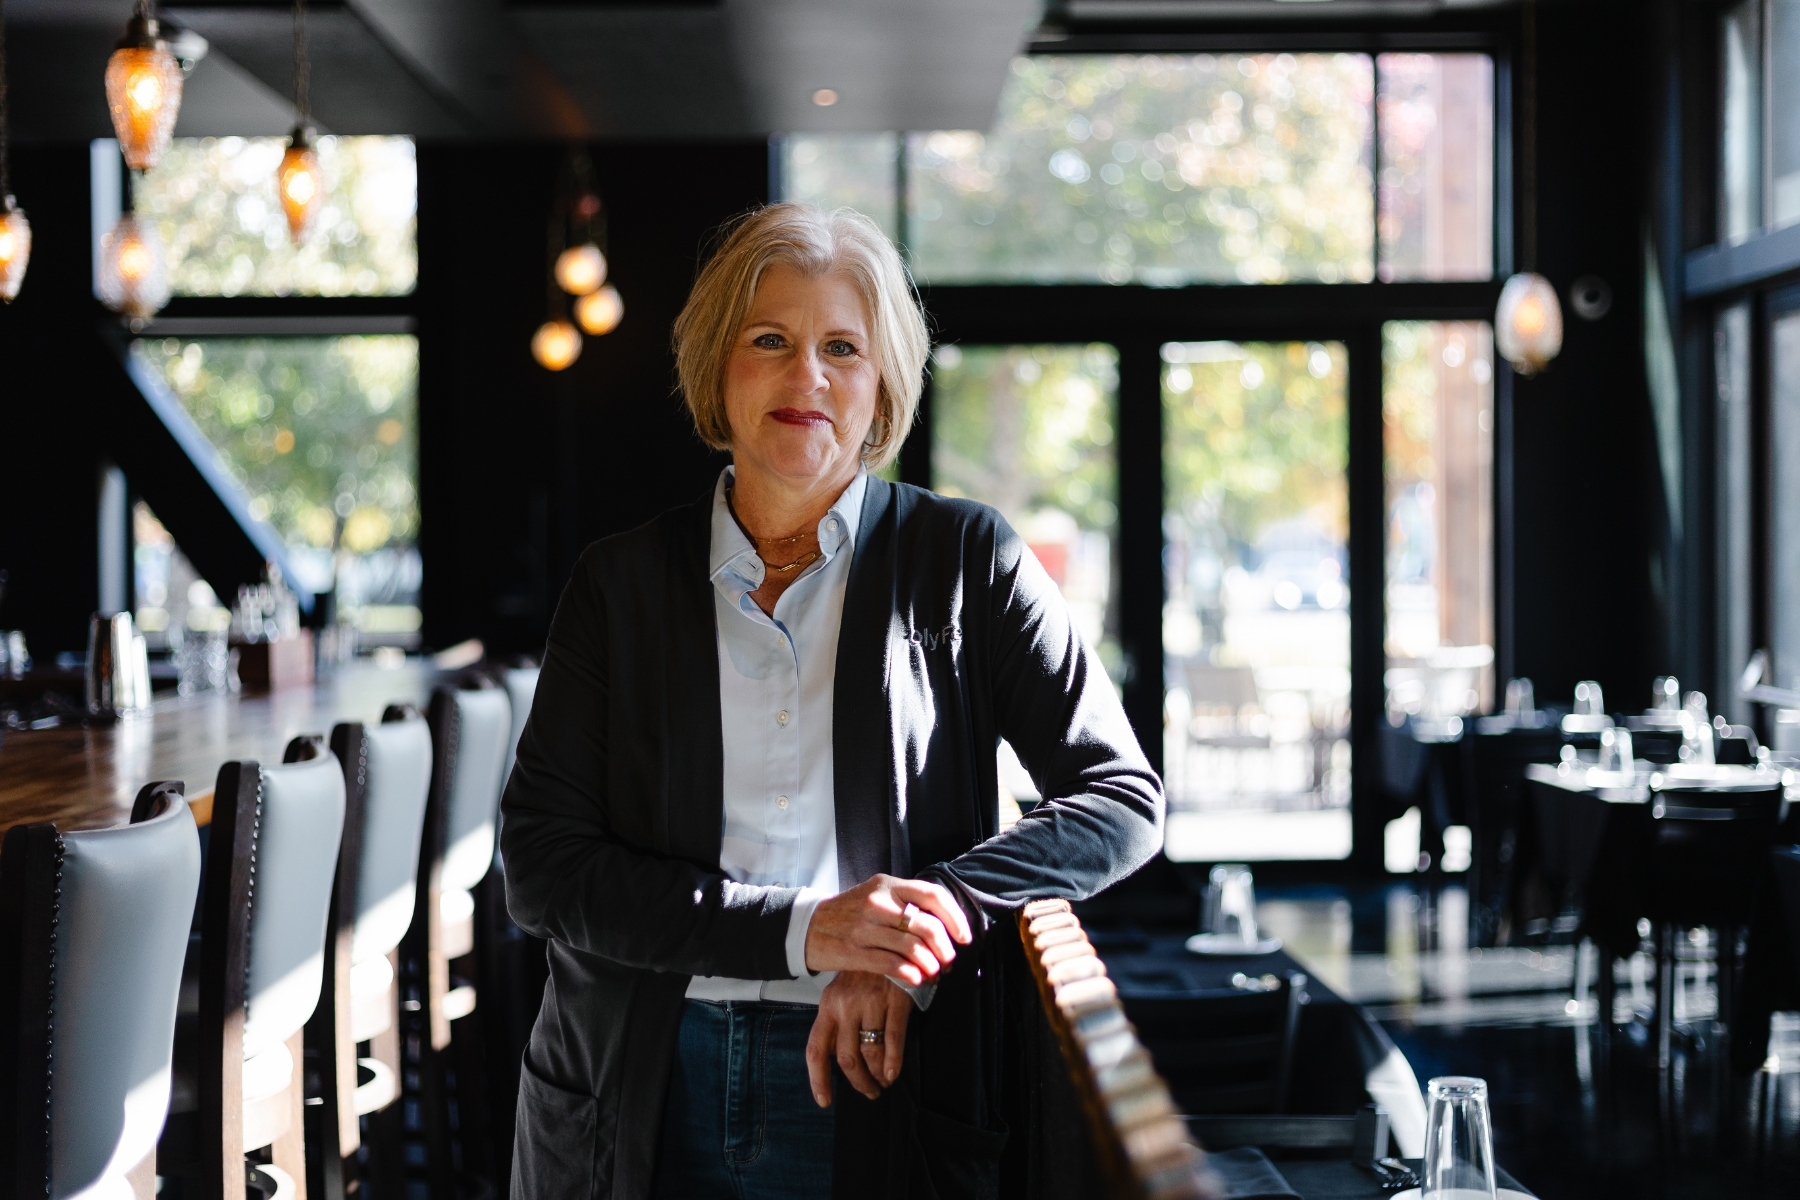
{"x": 134, "y": 280}
{"x": 580, "y": 269}
{"x": 600, "y": 311}
{"x": 556, "y": 345}
{"x": 15, "y": 248}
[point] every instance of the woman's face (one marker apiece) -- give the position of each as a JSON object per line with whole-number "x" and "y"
{"x": 802, "y": 384}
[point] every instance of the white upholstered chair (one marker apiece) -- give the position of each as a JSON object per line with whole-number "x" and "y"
{"x": 93, "y": 928}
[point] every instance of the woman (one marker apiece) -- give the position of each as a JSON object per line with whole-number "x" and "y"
{"x": 754, "y": 811}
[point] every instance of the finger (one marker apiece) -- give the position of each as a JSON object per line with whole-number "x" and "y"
{"x": 873, "y": 1015}
{"x": 875, "y": 961}
{"x": 850, "y": 1062}
{"x": 938, "y": 902}
{"x": 899, "y": 1008}
{"x": 931, "y": 930}
{"x": 818, "y": 1057}
{"x": 908, "y": 946}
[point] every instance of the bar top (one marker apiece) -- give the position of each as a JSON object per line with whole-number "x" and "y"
{"x": 87, "y": 778}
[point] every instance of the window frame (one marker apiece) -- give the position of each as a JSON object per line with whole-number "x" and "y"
{"x": 291, "y": 316}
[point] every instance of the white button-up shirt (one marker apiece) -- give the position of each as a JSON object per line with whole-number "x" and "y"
{"x": 776, "y": 677}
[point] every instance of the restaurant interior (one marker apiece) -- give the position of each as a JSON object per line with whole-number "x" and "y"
{"x": 1339, "y": 362}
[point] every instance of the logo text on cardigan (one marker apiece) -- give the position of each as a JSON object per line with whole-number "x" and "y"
{"x": 931, "y": 639}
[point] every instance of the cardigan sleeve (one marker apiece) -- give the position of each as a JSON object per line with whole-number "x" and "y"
{"x": 570, "y": 875}
{"x": 1102, "y": 813}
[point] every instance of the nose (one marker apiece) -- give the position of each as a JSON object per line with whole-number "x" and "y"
{"x": 806, "y": 375}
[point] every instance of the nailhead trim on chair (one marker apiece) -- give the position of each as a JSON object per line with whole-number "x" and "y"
{"x": 250, "y": 887}
{"x": 50, "y": 1013}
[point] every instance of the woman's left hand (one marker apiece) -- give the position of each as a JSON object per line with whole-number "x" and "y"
{"x": 855, "y": 1001}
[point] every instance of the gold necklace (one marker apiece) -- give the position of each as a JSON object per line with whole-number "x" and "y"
{"x": 793, "y": 566}
{"x": 767, "y": 565}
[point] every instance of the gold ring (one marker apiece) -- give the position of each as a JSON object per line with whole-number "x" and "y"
{"x": 870, "y": 1037}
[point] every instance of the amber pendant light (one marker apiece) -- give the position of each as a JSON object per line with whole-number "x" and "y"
{"x": 577, "y": 250}
{"x": 134, "y": 276}
{"x": 299, "y": 179}
{"x": 143, "y": 90}
{"x": 15, "y": 230}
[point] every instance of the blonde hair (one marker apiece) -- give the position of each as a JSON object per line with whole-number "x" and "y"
{"x": 813, "y": 242}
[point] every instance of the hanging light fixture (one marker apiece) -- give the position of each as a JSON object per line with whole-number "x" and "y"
{"x": 134, "y": 281}
{"x": 15, "y": 230}
{"x": 1528, "y": 326}
{"x": 580, "y": 269}
{"x": 299, "y": 180}
{"x": 143, "y": 90}
{"x": 600, "y": 311}
{"x": 556, "y": 344}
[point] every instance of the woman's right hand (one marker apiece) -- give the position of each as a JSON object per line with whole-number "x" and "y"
{"x": 904, "y": 928}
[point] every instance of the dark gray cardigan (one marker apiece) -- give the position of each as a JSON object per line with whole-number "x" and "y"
{"x": 952, "y": 638}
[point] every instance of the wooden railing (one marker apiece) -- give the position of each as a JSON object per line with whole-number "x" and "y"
{"x": 1143, "y": 1144}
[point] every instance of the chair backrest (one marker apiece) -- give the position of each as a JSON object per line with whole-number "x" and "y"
{"x": 1212, "y": 686}
{"x": 1700, "y": 845}
{"x": 96, "y": 925}
{"x": 302, "y": 818}
{"x": 521, "y": 689}
{"x": 396, "y": 785}
{"x": 471, "y": 730}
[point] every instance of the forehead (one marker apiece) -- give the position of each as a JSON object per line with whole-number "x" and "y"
{"x": 787, "y": 295}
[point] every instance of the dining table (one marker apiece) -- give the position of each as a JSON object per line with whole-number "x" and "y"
{"x": 85, "y": 773}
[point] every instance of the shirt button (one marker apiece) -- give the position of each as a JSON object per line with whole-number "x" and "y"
{"x": 781, "y": 718}
{"x": 831, "y": 525}
{"x": 781, "y": 802}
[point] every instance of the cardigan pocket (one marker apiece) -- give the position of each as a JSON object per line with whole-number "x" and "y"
{"x": 958, "y": 1161}
{"x": 553, "y": 1141}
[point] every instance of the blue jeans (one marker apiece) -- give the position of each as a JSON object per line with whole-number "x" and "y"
{"x": 740, "y": 1119}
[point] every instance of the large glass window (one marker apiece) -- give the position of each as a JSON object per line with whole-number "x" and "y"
{"x": 1437, "y": 166}
{"x": 221, "y": 222}
{"x": 1202, "y": 168}
{"x": 1159, "y": 169}
{"x": 1031, "y": 430}
{"x": 1783, "y": 83}
{"x": 1437, "y": 421}
{"x": 845, "y": 170}
{"x": 1784, "y": 499}
{"x": 1257, "y": 624}
{"x": 1740, "y": 143}
{"x": 322, "y": 435}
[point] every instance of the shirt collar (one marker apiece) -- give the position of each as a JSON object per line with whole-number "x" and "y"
{"x": 731, "y": 549}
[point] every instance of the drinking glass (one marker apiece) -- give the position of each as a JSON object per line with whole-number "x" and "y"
{"x": 1231, "y": 903}
{"x": 1589, "y": 700}
{"x": 1459, "y": 1141}
{"x": 1615, "y": 750}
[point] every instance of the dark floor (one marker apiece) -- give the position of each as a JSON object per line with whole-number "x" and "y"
{"x": 1573, "y": 1120}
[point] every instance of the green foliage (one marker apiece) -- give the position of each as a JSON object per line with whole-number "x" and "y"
{"x": 1028, "y": 427}
{"x": 215, "y": 205}
{"x": 1255, "y": 433}
{"x": 321, "y": 432}
{"x": 1162, "y": 169}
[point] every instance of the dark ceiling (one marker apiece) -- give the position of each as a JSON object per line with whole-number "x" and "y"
{"x": 615, "y": 69}
{"x": 493, "y": 68}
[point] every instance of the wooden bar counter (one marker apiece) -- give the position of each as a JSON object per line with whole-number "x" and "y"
{"x": 87, "y": 778}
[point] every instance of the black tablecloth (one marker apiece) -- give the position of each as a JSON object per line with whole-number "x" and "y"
{"x": 1337, "y": 1044}
{"x": 1339, "y": 1180}
{"x": 1772, "y": 959}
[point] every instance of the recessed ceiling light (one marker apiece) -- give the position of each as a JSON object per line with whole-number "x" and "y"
{"x": 825, "y": 97}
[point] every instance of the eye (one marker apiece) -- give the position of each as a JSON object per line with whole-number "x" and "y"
{"x": 839, "y": 348}
{"x": 767, "y": 341}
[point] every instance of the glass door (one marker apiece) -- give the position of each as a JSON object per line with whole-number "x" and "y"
{"x": 1256, "y": 621}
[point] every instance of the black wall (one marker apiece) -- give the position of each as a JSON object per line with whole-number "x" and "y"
{"x": 521, "y": 468}
{"x": 1590, "y": 596}
{"x": 50, "y": 444}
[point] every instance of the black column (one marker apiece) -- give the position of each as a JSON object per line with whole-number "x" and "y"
{"x": 1140, "y": 551}
{"x": 1368, "y": 656}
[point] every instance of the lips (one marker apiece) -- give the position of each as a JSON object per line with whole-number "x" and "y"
{"x": 796, "y": 416}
